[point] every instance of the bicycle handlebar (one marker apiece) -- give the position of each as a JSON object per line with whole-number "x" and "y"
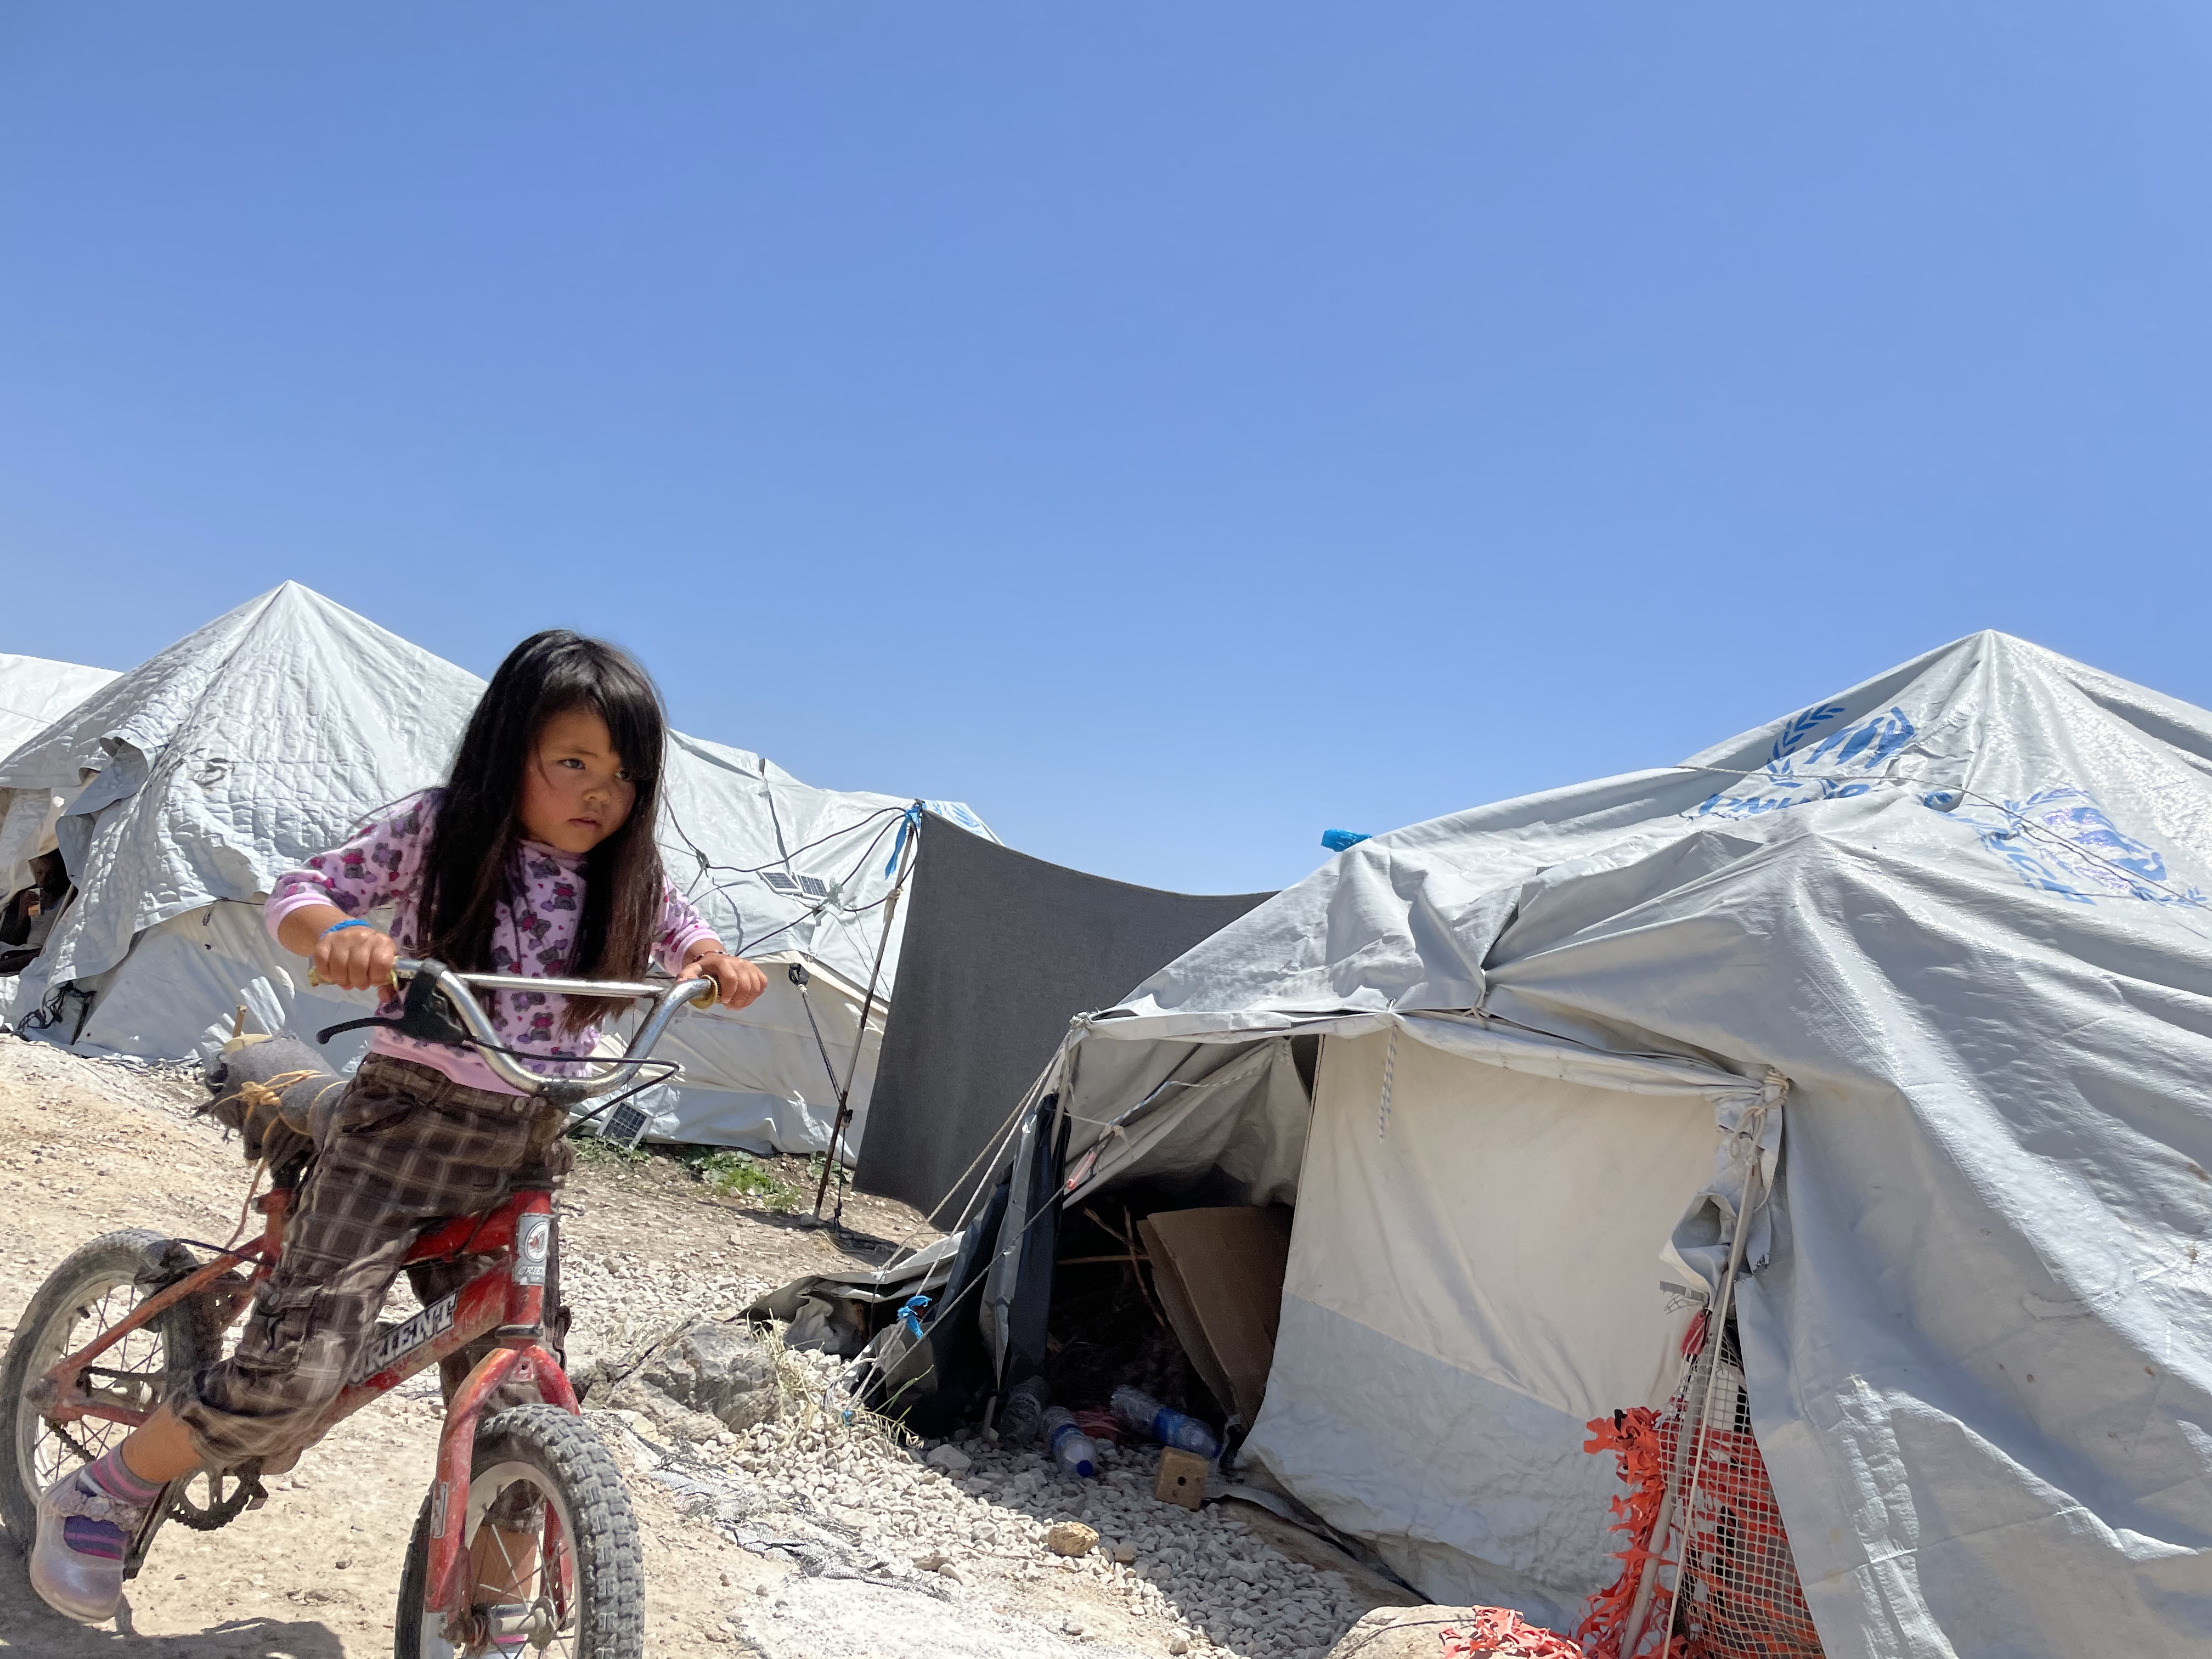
{"x": 667, "y": 996}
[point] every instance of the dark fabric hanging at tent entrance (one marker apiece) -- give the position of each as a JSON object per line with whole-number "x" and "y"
{"x": 1000, "y": 951}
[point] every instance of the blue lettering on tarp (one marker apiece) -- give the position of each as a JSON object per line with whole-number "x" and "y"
{"x": 2062, "y": 841}
{"x": 1863, "y": 747}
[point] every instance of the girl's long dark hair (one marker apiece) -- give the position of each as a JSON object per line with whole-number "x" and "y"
{"x": 468, "y": 869}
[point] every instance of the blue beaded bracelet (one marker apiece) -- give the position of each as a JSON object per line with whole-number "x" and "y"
{"x": 335, "y": 926}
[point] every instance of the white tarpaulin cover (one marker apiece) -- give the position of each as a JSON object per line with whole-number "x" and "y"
{"x": 196, "y": 778}
{"x": 35, "y": 693}
{"x": 1438, "y": 1267}
{"x": 1966, "y": 909}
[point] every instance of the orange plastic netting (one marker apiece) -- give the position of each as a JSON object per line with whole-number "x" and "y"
{"x": 1501, "y": 1631}
{"x": 1726, "y": 1583}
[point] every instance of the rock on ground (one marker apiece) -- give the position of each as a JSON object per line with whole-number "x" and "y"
{"x": 699, "y": 1379}
{"x": 1399, "y": 1633}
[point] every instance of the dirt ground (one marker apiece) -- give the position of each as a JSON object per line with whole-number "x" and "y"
{"x": 86, "y": 1149}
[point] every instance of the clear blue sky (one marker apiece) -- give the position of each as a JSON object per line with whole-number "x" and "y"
{"x": 1175, "y": 430}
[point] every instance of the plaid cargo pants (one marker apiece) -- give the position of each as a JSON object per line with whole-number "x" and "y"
{"x": 406, "y": 1148}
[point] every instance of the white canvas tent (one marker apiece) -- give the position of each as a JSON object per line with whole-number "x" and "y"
{"x": 35, "y": 693}
{"x": 1936, "y": 953}
{"x": 191, "y": 782}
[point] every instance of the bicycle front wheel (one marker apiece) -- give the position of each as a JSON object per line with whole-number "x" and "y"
{"x": 550, "y": 1523}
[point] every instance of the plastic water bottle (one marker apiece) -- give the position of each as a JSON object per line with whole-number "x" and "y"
{"x": 1071, "y": 1449}
{"x": 1022, "y": 1414}
{"x": 1140, "y": 1413}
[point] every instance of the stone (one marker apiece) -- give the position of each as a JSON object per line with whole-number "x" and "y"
{"x": 1070, "y": 1538}
{"x": 954, "y": 1462}
{"x": 1399, "y": 1634}
{"x": 1179, "y": 1645}
{"x": 705, "y": 1380}
{"x": 1125, "y": 1552}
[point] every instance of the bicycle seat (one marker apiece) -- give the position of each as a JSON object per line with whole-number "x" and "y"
{"x": 275, "y": 1092}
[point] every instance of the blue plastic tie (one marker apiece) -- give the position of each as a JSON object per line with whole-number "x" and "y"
{"x": 911, "y": 1316}
{"x": 910, "y": 820}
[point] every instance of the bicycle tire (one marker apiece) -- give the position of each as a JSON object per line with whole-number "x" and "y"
{"x": 137, "y": 1256}
{"x": 568, "y": 1458}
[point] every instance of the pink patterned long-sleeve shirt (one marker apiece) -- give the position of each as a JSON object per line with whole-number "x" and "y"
{"x": 533, "y": 932}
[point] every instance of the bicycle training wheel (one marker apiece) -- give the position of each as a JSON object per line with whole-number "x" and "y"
{"x": 93, "y": 1291}
{"x": 577, "y": 1589}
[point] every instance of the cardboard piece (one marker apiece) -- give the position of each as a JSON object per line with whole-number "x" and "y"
{"x": 1219, "y": 1276}
{"x": 1181, "y": 1479}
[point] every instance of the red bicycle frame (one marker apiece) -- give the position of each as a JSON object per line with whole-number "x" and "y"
{"x": 506, "y": 1301}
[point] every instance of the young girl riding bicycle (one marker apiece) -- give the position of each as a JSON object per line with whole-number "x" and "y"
{"x": 536, "y": 858}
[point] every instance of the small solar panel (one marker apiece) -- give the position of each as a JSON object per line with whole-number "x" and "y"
{"x": 814, "y": 887}
{"x": 780, "y": 882}
{"x": 628, "y": 1124}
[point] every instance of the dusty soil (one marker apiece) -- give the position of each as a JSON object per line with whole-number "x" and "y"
{"x": 88, "y": 1147}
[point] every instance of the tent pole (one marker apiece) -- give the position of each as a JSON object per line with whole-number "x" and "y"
{"x": 867, "y": 1006}
{"x": 1647, "y": 1586}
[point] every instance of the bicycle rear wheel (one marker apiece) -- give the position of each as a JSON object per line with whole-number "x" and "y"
{"x": 583, "y": 1597}
{"x": 93, "y": 1291}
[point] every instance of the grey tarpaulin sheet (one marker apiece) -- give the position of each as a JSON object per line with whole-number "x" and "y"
{"x": 1001, "y": 951}
{"x": 1966, "y": 909}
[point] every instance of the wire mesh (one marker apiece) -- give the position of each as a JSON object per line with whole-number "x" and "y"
{"x": 1737, "y": 1593}
{"x": 1722, "y": 1582}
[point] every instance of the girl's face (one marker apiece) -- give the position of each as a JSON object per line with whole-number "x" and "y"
{"x": 575, "y": 790}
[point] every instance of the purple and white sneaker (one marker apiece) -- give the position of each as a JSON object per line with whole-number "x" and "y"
{"x": 84, "y": 1532}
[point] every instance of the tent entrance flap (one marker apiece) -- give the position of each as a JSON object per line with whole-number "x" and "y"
{"x": 1483, "y": 1216}
{"x": 1459, "y": 1302}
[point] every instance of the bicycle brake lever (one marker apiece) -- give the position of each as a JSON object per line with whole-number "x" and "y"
{"x": 422, "y": 1015}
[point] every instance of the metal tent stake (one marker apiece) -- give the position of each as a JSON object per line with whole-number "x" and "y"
{"x": 867, "y": 1006}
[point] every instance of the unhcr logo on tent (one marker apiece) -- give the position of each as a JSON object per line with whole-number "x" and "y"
{"x": 1835, "y": 769}
{"x": 2062, "y": 841}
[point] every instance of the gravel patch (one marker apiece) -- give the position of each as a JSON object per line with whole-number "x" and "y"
{"x": 859, "y": 1501}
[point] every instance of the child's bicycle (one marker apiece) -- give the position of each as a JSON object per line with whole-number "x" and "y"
{"x": 128, "y": 1313}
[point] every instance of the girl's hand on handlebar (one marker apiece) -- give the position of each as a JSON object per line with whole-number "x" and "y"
{"x": 737, "y": 982}
{"x": 358, "y": 958}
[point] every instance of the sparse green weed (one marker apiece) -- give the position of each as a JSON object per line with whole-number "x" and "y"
{"x": 596, "y": 1149}
{"x": 740, "y": 1175}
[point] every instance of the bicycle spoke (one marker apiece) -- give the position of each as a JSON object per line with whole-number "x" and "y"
{"x": 519, "y": 1569}
{"x": 128, "y": 1376}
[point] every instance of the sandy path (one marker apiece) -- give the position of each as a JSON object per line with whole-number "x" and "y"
{"x": 86, "y": 1149}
